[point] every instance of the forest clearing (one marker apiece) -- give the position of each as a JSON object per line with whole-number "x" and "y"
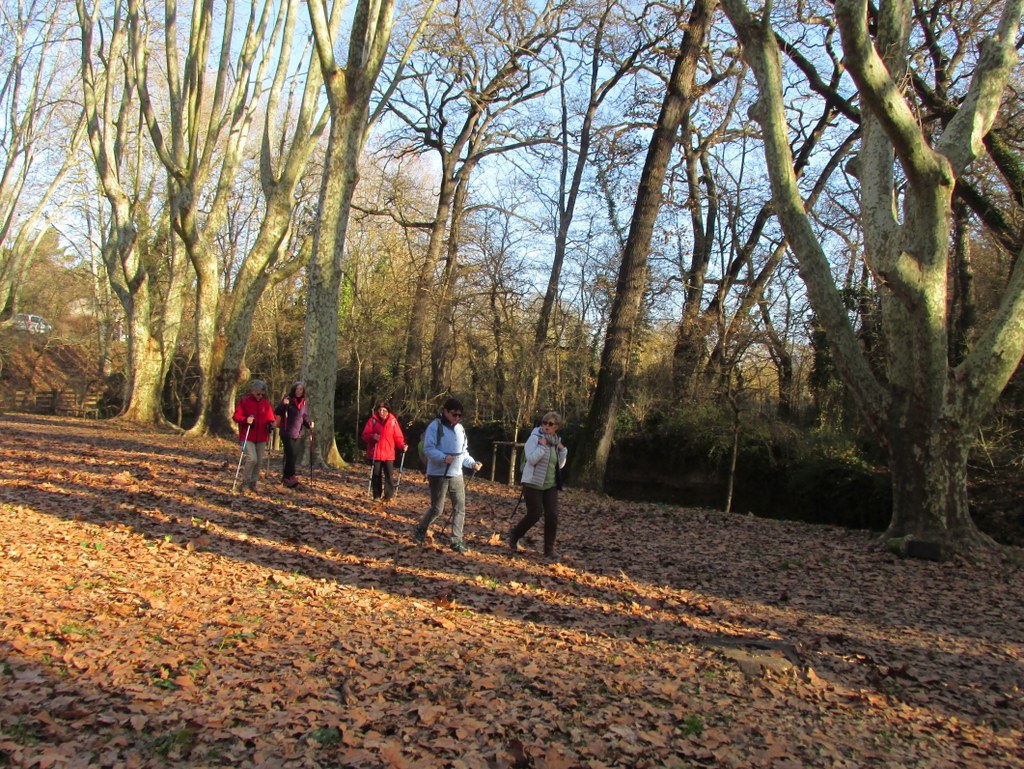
{"x": 150, "y": 618}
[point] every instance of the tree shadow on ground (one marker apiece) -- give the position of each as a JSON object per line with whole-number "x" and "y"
{"x": 618, "y": 580}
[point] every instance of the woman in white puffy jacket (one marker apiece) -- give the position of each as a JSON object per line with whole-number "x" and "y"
{"x": 542, "y": 478}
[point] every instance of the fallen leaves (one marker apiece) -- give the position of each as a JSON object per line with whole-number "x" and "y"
{"x": 149, "y": 618}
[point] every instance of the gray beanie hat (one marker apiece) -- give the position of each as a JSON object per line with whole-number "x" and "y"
{"x": 257, "y": 384}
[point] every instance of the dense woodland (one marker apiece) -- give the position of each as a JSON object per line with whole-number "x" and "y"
{"x": 761, "y": 258}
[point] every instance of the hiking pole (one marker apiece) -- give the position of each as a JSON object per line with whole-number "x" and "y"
{"x": 270, "y": 446}
{"x": 310, "y": 456}
{"x": 401, "y": 467}
{"x": 518, "y": 502}
{"x": 245, "y": 440}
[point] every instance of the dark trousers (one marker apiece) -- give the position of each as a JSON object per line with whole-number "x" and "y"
{"x": 381, "y": 478}
{"x": 538, "y": 502}
{"x": 294, "y": 448}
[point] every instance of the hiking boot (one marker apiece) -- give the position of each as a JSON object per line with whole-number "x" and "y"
{"x": 513, "y": 541}
{"x": 458, "y": 547}
{"x": 419, "y": 535}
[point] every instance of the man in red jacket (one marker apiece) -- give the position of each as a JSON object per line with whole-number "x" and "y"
{"x": 254, "y": 416}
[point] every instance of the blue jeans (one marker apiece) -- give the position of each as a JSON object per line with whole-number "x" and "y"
{"x": 440, "y": 487}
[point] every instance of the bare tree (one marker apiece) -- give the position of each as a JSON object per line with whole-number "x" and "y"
{"x": 461, "y": 103}
{"x": 34, "y": 91}
{"x": 925, "y": 409}
{"x": 108, "y": 83}
{"x": 349, "y": 90}
{"x": 285, "y": 149}
{"x": 610, "y": 45}
{"x": 201, "y": 139}
{"x": 591, "y": 458}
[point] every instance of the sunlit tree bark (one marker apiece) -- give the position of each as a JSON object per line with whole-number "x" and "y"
{"x": 925, "y": 409}
{"x": 284, "y": 153}
{"x": 591, "y": 458}
{"x": 200, "y": 137}
{"x": 111, "y": 111}
{"x": 349, "y": 89}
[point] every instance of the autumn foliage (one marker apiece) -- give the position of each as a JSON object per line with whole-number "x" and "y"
{"x": 151, "y": 619}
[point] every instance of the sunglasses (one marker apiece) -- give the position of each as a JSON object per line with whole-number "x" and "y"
{"x": 456, "y": 414}
{"x": 550, "y": 424}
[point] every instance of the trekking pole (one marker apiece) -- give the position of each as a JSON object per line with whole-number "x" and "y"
{"x": 281, "y": 434}
{"x": 245, "y": 440}
{"x": 401, "y": 467}
{"x": 270, "y": 446}
{"x": 373, "y": 463}
{"x": 310, "y": 457}
{"x": 518, "y": 502}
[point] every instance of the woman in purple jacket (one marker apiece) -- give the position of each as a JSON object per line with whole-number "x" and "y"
{"x": 294, "y": 416}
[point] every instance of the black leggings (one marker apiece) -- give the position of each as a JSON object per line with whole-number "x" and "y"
{"x": 293, "y": 451}
{"x": 538, "y": 501}
{"x": 385, "y": 468}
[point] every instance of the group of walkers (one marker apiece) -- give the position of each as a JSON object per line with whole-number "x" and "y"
{"x": 445, "y": 450}
{"x": 256, "y": 418}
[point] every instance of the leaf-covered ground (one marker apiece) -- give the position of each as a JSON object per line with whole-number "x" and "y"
{"x": 148, "y": 618}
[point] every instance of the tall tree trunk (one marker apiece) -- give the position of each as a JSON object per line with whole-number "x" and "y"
{"x": 108, "y": 96}
{"x": 591, "y": 458}
{"x": 444, "y": 313}
{"x": 930, "y": 460}
{"x": 690, "y": 349}
{"x": 320, "y": 360}
{"x": 925, "y": 410}
{"x": 201, "y": 141}
{"x": 419, "y": 318}
{"x": 348, "y": 94}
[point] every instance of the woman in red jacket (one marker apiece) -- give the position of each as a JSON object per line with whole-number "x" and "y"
{"x": 383, "y": 437}
{"x": 254, "y": 415}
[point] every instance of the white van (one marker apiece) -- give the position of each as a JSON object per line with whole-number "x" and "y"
{"x": 31, "y": 323}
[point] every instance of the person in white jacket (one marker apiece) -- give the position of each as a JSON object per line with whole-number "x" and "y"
{"x": 542, "y": 479}
{"x": 447, "y": 451}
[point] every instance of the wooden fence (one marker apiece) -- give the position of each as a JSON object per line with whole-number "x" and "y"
{"x": 61, "y": 402}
